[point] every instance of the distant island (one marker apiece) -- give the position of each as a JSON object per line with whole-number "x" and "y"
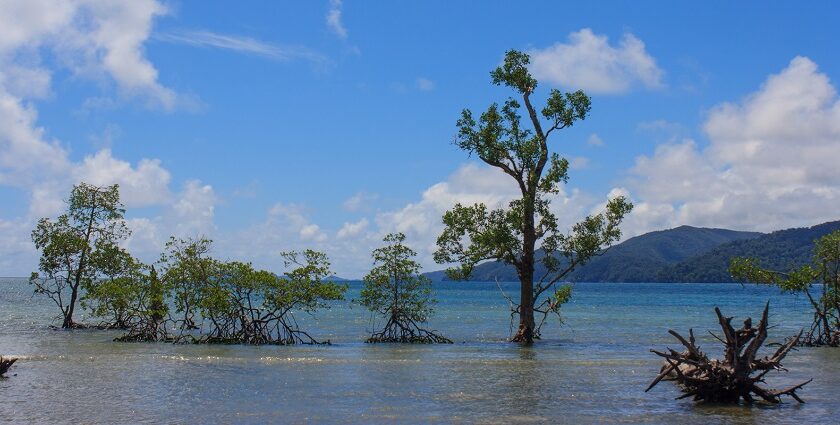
{"x": 682, "y": 254}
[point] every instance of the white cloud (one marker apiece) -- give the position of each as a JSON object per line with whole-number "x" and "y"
{"x": 190, "y": 213}
{"x": 312, "y": 232}
{"x": 25, "y": 82}
{"x": 578, "y": 163}
{"x": 288, "y": 226}
{"x": 116, "y": 35}
{"x": 425, "y": 84}
{"x": 587, "y": 61}
{"x": 771, "y": 161}
{"x": 349, "y": 230}
{"x": 31, "y": 162}
{"x": 333, "y": 19}
{"x": 194, "y": 209}
{"x": 359, "y": 202}
{"x": 89, "y": 37}
{"x": 147, "y": 184}
{"x": 243, "y": 45}
{"x": 17, "y": 253}
{"x": 285, "y": 227}
{"x": 594, "y": 140}
{"x": 25, "y": 154}
{"x": 24, "y": 22}
{"x": 470, "y": 184}
{"x": 248, "y": 191}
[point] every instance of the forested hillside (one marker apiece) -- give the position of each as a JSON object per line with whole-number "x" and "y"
{"x": 682, "y": 254}
{"x": 638, "y": 259}
{"x": 779, "y": 250}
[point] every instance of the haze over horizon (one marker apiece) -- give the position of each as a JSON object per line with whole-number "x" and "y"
{"x": 326, "y": 125}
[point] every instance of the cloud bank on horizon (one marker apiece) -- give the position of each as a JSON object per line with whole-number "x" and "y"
{"x": 762, "y": 162}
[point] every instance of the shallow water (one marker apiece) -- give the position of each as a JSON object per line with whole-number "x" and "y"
{"x": 593, "y": 369}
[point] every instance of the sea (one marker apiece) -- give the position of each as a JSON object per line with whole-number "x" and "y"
{"x": 591, "y": 368}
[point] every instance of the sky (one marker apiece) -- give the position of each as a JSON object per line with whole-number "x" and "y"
{"x": 272, "y": 126}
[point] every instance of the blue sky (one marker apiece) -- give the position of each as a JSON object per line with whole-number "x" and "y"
{"x": 276, "y": 125}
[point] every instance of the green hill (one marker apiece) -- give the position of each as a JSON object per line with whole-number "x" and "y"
{"x": 638, "y": 259}
{"x": 779, "y": 250}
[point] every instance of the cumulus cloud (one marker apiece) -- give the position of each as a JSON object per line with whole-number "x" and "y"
{"x": 32, "y": 162}
{"x": 289, "y": 226}
{"x": 115, "y": 36}
{"x": 144, "y": 185}
{"x": 189, "y": 214}
{"x": 771, "y": 161}
{"x": 194, "y": 209}
{"x": 349, "y": 230}
{"x": 588, "y": 61}
{"x": 285, "y": 227}
{"x": 25, "y": 152}
{"x": 16, "y": 248}
{"x": 95, "y": 39}
{"x": 89, "y": 37}
{"x": 470, "y": 184}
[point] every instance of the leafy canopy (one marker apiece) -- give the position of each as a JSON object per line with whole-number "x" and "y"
{"x": 500, "y": 138}
{"x": 81, "y": 246}
{"x": 395, "y": 287}
{"x": 824, "y": 273}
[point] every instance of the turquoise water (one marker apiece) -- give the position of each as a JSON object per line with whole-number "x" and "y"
{"x": 593, "y": 369}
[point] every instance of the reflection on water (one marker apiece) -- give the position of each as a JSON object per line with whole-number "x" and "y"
{"x": 592, "y": 370}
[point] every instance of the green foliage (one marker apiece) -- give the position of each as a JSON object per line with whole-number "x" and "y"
{"x": 395, "y": 290}
{"x": 395, "y": 287}
{"x": 189, "y": 271}
{"x": 157, "y": 308}
{"x": 111, "y": 295}
{"x": 229, "y": 302}
{"x": 514, "y": 72}
{"x": 147, "y": 311}
{"x": 820, "y": 282}
{"x": 305, "y": 287}
{"x": 80, "y": 248}
{"x": 474, "y": 234}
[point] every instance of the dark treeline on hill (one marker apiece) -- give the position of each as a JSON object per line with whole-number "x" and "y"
{"x": 682, "y": 254}
{"x": 780, "y": 250}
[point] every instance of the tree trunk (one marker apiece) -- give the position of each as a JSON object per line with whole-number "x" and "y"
{"x": 68, "y": 317}
{"x": 525, "y": 333}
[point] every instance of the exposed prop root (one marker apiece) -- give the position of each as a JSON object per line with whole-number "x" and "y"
{"x": 731, "y": 379}
{"x": 282, "y": 330}
{"x": 525, "y": 335}
{"x": 5, "y": 364}
{"x": 404, "y": 330}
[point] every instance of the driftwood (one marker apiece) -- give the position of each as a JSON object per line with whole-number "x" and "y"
{"x": 735, "y": 377}
{"x": 5, "y": 364}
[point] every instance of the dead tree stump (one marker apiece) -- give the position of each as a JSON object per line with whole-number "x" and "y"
{"x": 737, "y": 375}
{"x": 5, "y": 364}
